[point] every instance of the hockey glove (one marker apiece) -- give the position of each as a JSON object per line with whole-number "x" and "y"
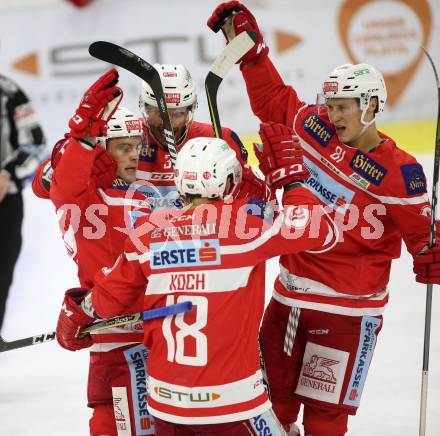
{"x": 234, "y": 18}
{"x": 427, "y": 266}
{"x": 96, "y": 107}
{"x": 280, "y": 155}
{"x": 104, "y": 169}
{"x": 252, "y": 186}
{"x": 71, "y": 320}
{"x": 42, "y": 180}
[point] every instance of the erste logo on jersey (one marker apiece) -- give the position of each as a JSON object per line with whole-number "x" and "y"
{"x": 368, "y": 168}
{"x": 327, "y": 189}
{"x": 415, "y": 180}
{"x": 318, "y": 129}
{"x": 178, "y": 254}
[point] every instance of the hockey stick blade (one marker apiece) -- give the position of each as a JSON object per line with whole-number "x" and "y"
{"x": 120, "y": 56}
{"x": 230, "y": 55}
{"x": 159, "y": 312}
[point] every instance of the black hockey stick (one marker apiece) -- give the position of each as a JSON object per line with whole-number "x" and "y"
{"x": 159, "y": 312}
{"x": 432, "y": 241}
{"x": 231, "y": 54}
{"x": 116, "y": 55}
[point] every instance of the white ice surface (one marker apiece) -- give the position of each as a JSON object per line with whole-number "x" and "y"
{"x": 43, "y": 388}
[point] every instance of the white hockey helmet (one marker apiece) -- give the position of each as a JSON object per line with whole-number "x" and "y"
{"x": 361, "y": 81}
{"x": 122, "y": 124}
{"x": 178, "y": 87}
{"x": 203, "y": 166}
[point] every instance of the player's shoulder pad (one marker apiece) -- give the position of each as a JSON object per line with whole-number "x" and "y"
{"x": 261, "y": 209}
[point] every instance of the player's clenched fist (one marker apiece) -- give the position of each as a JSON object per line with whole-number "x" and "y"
{"x": 234, "y": 18}
{"x": 252, "y": 186}
{"x": 71, "y": 321}
{"x": 427, "y": 266}
{"x": 97, "y": 106}
{"x": 280, "y": 155}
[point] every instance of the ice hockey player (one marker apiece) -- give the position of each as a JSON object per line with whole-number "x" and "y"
{"x": 91, "y": 187}
{"x": 204, "y": 370}
{"x": 154, "y": 164}
{"x": 320, "y": 328}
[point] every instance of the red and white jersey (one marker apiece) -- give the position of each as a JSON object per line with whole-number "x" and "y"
{"x": 95, "y": 223}
{"x": 376, "y": 198}
{"x": 156, "y": 171}
{"x": 203, "y": 365}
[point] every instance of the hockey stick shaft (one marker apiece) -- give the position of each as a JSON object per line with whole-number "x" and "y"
{"x": 231, "y": 54}
{"x": 432, "y": 241}
{"x": 116, "y": 55}
{"x": 146, "y": 315}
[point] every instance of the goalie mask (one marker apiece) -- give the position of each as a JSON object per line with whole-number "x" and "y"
{"x": 203, "y": 167}
{"x": 122, "y": 124}
{"x": 179, "y": 91}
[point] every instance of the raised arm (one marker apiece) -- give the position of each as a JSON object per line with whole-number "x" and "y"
{"x": 72, "y": 176}
{"x": 271, "y": 99}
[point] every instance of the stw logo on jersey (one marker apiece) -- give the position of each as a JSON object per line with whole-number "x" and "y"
{"x": 176, "y": 254}
{"x": 193, "y": 397}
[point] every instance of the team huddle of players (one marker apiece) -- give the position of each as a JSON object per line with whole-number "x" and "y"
{"x": 147, "y": 235}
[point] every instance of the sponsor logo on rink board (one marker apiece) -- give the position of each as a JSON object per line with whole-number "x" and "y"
{"x": 137, "y": 362}
{"x": 367, "y": 342}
